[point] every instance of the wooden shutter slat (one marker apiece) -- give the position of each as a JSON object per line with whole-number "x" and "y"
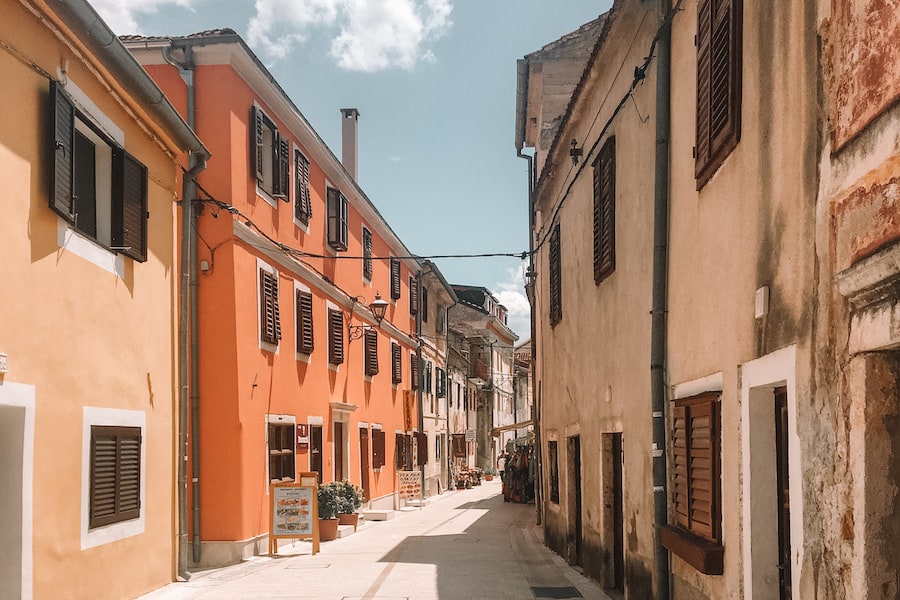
{"x": 604, "y": 211}
{"x": 413, "y": 295}
{"x": 302, "y": 203}
{"x": 704, "y": 42}
{"x": 396, "y": 363}
{"x": 367, "y": 254}
{"x": 129, "y": 206}
{"x": 63, "y": 130}
{"x": 270, "y": 318}
{"x": 555, "y": 277}
{"x": 413, "y": 371}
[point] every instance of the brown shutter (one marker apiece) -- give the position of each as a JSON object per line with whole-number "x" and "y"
{"x": 377, "y": 448}
{"x": 680, "y": 497}
{"x": 719, "y": 58}
{"x": 115, "y": 475}
{"x": 371, "y": 342}
{"x": 367, "y": 253}
{"x": 399, "y": 451}
{"x": 704, "y": 45}
{"x": 413, "y": 295}
{"x": 270, "y": 320}
{"x": 555, "y": 277}
{"x": 302, "y": 204}
{"x": 395, "y": 278}
{"x": 421, "y": 448}
{"x": 335, "y": 337}
{"x": 337, "y": 220}
{"x": 63, "y": 130}
{"x": 413, "y": 371}
{"x": 129, "y": 206}
{"x": 305, "y": 340}
{"x": 257, "y": 146}
{"x": 396, "y": 363}
{"x": 604, "y": 211}
{"x": 283, "y": 180}
{"x": 701, "y": 469}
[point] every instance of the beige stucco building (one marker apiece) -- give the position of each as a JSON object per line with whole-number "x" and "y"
{"x": 90, "y": 156}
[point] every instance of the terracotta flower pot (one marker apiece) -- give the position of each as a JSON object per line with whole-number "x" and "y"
{"x": 489, "y": 477}
{"x": 328, "y": 529}
{"x": 349, "y": 519}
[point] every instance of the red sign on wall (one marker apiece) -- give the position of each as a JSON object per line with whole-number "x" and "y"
{"x": 302, "y": 436}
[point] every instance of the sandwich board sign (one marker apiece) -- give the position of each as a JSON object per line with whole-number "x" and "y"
{"x": 294, "y": 512}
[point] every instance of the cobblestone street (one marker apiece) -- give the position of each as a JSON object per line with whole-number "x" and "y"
{"x": 462, "y": 545}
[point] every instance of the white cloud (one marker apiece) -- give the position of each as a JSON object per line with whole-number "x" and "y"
{"x": 511, "y": 294}
{"x": 121, "y": 15}
{"x": 366, "y": 35}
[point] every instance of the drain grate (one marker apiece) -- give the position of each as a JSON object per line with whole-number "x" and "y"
{"x": 556, "y": 592}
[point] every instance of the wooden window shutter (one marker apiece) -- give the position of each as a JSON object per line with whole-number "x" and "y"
{"x": 413, "y": 371}
{"x": 337, "y": 220}
{"x": 335, "y": 337}
{"x": 555, "y": 277}
{"x": 441, "y": 383}
{"x": 680, "y": 496}
{"x": 396, "y": 363}
{"x": 129, "y": 206}
{"x": 605, "y": 211}
{"x": 377, "y": 448}
{"x": 270, "y": 320}
{"x": 257, "y": 144}
{"x": 115, "y": 475}
{"x": 305, "y": 339}
{"x": 371, "y": 345}
{"x": 367, "y": 254}
{"x": 302, "y": 203}
{"x": 399, "y": 451}
{"x": 63, "y": 130}
{"x": 413, "y": 295}
{"x": 719, "y": 57}
{"x": 421, "y": 448}
{"x": 424, "y": 304}
{"x": 696, "y": 442}
{"x": 428, "y": 376}
{"x": 283, "y": 180}
{"x": 395, "y": 278}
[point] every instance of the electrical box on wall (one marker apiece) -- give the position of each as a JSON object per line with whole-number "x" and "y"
{"x": 762, "y": 302}
{"x": 4, "y": 365}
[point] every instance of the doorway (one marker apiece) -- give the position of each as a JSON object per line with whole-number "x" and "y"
{"x": 364, "y": 460}
{"x": 315, "y": 450}
{"x": 613, "y": 534}
{"x": 339, "y": 473}
{"x": 16, "y": 484}
{"x": 783, "y": 494}
{"x": 574, "y": 499}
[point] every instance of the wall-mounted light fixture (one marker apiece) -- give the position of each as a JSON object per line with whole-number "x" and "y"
{"x": 377, "y": 307}
{"x": 575, "y": 152}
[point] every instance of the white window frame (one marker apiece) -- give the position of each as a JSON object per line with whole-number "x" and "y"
{"x": 93, "y": 416}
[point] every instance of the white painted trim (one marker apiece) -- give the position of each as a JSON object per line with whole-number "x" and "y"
{"x": 23, "y": 395}
{"x": 710, "y": 383}
{"x": 314, "y": 420}
{"x": 763, "y": 375}
{"x": 116, "y": 531}
{"x": 262, "y": 265}
{"x": 84, "y": 247}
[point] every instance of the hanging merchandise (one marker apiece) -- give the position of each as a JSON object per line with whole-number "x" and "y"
{"x": 518, "y": 476}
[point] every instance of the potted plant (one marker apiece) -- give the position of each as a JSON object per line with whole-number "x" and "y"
{"x": 329, "y": 505}
{"x": 350, "y": 498}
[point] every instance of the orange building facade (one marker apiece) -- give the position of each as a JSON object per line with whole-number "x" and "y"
{"x": 295, "y": 372}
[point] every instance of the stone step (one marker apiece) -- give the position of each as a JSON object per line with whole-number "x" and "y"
{"x": 377, "y": 515}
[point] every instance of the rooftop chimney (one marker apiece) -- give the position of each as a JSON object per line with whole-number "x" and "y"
{"x": 349, "y": 140}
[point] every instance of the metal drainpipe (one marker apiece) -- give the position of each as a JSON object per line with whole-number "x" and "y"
{"x": 447, "y": 391}
{"x": 189, "y": 312}
{"x": 421, "y": 369}
{"x": 658, "y": 342}
{"x": 535, "y": 415}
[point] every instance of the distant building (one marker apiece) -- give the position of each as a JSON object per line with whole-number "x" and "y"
{"x": 482, "y": 322}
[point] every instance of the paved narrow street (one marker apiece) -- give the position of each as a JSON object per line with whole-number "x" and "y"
{"x": 462, "y": 545}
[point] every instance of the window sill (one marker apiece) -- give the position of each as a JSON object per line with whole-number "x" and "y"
{"x": 702, "y": 554}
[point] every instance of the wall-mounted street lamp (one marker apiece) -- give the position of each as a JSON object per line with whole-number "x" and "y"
{"x": 378, "y": 307}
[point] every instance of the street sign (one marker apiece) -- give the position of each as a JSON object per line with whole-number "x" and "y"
{"x": 470, "y": 435}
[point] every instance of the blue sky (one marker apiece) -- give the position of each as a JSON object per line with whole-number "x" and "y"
{"x": 435, "y": 83}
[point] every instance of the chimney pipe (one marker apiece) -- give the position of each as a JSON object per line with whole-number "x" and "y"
{"x": 349, "y": 139}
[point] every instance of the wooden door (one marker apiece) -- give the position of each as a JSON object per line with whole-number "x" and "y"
{"x": 364, "y": 460}
{"x": 315, "y": 450}
{"x": 339, "y": 451}
{"x": 784, "y": 496}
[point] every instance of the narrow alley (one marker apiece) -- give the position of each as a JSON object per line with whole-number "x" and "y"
{"x": 464, "y": 544}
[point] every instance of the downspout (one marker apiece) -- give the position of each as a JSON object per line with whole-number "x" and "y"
{"x": 658, "y": 344}
{"x": 421, "y": 368}
{"x": 448, "y": 392}
{"x": 188, "y": 338}
{"x": 521, "y": 100}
